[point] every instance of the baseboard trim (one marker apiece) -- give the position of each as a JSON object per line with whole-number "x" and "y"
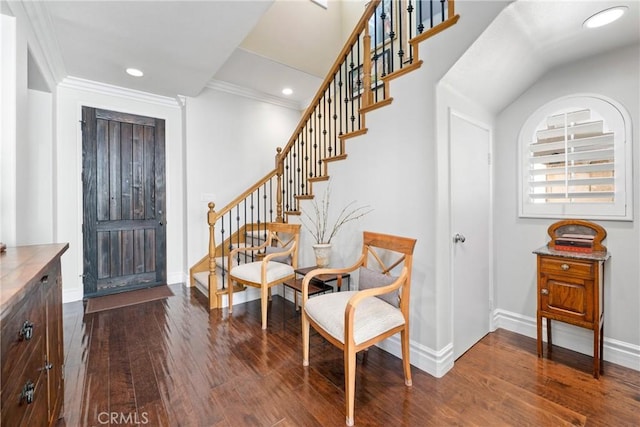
{"x": 571, "y": 337}
{"x": 435, "y": 363}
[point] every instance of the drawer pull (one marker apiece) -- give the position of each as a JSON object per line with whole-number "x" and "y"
{"x": 564, "y": 267}
{"x": 28, "y": 392}
{"x": 26, "y": 332}
{"x": 45, "y": 279}
{"x": 544, "y": 291}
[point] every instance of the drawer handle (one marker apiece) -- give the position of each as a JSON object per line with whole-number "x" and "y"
{"x": 44, "y": 279}
{"x": 26, "y": 332}
{"x": 544, "y": 291}
{"x": 28, "y": 392}
{"x": 564, "y": 267}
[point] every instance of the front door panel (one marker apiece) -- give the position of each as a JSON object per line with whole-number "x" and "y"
{"x": 124, "y": 202}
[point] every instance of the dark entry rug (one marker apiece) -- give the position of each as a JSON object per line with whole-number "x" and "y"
{"x": 124, "y": 299}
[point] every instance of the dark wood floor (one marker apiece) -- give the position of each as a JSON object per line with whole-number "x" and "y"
{"x": 171, "y": 363}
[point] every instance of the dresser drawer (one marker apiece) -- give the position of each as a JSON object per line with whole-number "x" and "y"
{"x": 566, "y": 266}
{"x": 22, "y": 333}
{"x": 15, "y": 409}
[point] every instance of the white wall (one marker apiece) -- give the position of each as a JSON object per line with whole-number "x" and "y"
{"x": 231, "y": 143}
{"x": 8, "y": 83}
{"x": 26, "y": 123}
{"x": 68, "y": 178}
{"x": 34, "y": 225}
{"x": 396, "y": 169}
{"x": 615, "y": 75}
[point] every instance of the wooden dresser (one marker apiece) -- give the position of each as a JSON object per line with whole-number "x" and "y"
{"x": 32, "y": 381}
{"x": 571, "y": 282}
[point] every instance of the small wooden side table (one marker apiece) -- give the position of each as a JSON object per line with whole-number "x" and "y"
{"x": 319, "y": 284}
{"x": 571, "y": 282}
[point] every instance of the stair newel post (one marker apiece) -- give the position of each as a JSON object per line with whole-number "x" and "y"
{"x": 279, "y": 173}
{"x": 367, "y": 94}
{"x": 213, "y": 280}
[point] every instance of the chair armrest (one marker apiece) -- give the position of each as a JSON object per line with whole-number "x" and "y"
{"x": 318, "y": 271}
{"x": 272, "y": 255}
{"x": 242, "y": 249}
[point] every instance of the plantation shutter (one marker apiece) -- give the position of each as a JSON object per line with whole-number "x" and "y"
{"x": 571, "y": 160}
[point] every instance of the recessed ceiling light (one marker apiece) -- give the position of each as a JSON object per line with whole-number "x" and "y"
{"x": 134, "y": 72}
{"x": 605, "y": 17}
{"x": 287, "y": 91}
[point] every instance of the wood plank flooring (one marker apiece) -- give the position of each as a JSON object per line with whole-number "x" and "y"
{"x": 172, "y": 363}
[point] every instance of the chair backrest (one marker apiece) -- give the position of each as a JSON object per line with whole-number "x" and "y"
{"x": 390, "y": 252}
{"x": 283, "y": 235}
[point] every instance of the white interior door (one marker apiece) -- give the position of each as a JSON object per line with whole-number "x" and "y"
{"x": 470, "y": 232}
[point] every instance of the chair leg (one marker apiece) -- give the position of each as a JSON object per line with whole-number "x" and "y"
{"x": 349, "y": 382}
{"x": 404, "y": 337}
{"x": 305, "y": 339}
{"x": 263, "y": 305}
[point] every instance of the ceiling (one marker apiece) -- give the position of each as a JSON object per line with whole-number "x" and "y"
{"x": 528, "y": 38}
{"x": 263, "y": 45}
{"x": 182, "y": 46}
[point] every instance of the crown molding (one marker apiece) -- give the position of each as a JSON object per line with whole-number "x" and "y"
{"x": 44, "y": 44}
{"x": 121, "y": 92}
{"x": 253, "y": 94}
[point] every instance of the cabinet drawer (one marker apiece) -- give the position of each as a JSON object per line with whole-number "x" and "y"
{"x": 565, "y": 266}
{"x": 26, "y": 320}
{"x": 15, "y": 409}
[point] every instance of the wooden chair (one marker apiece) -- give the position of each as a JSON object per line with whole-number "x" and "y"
{"x": 355, "y": 320}
{"x": 278, "y": 260}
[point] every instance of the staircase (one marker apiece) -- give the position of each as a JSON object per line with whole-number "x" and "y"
{"x": 382, "y": 47}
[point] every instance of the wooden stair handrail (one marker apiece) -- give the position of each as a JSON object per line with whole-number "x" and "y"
{"x": 355, "y": 34}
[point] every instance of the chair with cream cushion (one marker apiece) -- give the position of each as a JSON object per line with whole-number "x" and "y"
{"x": 356, "y": 320}
{"x": 279, "y": 259}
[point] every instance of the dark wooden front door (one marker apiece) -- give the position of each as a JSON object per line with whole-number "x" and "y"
{"x": 123, "y": 177}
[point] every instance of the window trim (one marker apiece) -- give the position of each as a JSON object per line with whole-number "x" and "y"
{"x": 617, "y": 118}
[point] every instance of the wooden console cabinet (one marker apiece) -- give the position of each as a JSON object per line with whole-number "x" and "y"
{"x": 32, "y": 347}
{"x": 571, "y": 286}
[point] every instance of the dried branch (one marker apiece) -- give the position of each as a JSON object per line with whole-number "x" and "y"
{"x": 317, "y": 224}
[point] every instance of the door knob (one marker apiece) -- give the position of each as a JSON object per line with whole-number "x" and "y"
{"x": 459, "y": 238}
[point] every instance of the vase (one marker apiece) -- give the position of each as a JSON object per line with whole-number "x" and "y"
{"x": 323, "y": 254}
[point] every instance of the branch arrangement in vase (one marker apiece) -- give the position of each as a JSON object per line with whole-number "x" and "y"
{"x": 318, "y": 224}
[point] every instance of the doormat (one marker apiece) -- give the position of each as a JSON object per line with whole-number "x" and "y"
{"x": 124, "y": 299}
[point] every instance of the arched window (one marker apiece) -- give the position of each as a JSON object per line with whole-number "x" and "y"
{"x": 576, "y": 160}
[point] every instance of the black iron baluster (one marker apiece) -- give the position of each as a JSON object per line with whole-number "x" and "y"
{"x": 400, "y": 38}
{"x": 410, "y": 34}
{"x": 339, "y": 104}
{"x": 271, "y": 202}
{"x": 356, "y": 76}
{"x": 257, "y": 203}
{"x": 442, "y": 10}
{"x": 431, "y": 12}
{"x": 303, "y": 160}
{"x": 420, "y": 5}
{"x": 252, "y": 207}
{"x": 322, "y": 151}
{"x": 313, "y": 135}
{"x": 392, "y": 41}
{"x": 360, "y": 63}
{"x": 237, "y": 229}
{"x": 334, "y": 117}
